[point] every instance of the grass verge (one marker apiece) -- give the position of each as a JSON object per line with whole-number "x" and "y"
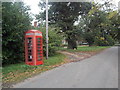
{"x": 17, "y": 72}
{"x": 86, "y": 48}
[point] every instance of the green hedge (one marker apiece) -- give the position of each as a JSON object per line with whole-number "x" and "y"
{"x": 15, "y": 20}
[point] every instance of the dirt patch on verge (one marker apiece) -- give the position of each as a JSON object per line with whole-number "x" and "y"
{"x": 78, "y": 56}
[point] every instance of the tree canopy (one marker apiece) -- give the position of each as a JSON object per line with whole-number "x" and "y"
{"x": 64, "y": 15}
{"x": 100, "y": 26}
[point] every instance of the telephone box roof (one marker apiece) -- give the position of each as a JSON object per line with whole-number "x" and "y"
{"x": 33, "y": 31}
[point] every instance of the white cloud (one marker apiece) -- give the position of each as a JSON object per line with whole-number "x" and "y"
{"x": 33, "y": 5}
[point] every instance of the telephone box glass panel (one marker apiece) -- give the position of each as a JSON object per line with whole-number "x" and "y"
{"x": 39, "y": 49}
{"x": 29, "y": 48}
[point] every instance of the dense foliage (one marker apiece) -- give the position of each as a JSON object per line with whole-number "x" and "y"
{"x": 96, "y": 21}
{"x": 55, "y": 40}
{"x": 97, "y": 26}
{"x": 15, "y": 20}
{"x": 64, "y": 15}
{"x": 100, "y": 27}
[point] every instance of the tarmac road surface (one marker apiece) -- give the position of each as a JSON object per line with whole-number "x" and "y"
{"x": 99, "y": 71}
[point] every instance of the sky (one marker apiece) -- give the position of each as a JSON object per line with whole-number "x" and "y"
{"x": 35, "y": 9}
{"x": 33, "y": 5}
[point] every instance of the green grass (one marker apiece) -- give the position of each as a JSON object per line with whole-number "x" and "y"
{"x": 22, "y": 67}
{"x": 17, "y": 72}
{"x": 85, "y": 48}
{"x": 54, "y": 60}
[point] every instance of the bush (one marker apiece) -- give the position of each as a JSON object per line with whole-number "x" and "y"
{"x": 110, "y": 40}
{"x": 107, "y": 41}
{"x": 15, "y": 21}
{"x": 89, "y": 37}
{"x": 54, "y": 40}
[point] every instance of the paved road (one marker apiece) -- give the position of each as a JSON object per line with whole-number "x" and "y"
{"x": 99, "y": 71}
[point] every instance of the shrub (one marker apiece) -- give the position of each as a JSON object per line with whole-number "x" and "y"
{"x": 15, "y": 20}
{"x": 54, "y": 40}
{"x": 104, "y": 41}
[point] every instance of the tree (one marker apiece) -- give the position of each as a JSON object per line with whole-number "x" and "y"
{"x": 15, "y": 21}
{"x": 64, "y": 15}
{"x": 99, "y": 25}
{"x": 114, "y": 31}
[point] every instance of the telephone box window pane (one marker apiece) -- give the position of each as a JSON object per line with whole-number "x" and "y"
{"x": 39, "y": 56}
{"x": 29, "y": 38}
{"x": 29, "y": 47}
{"x": 38, "y": 44}
{"x": 39, "y": 59}
{"x": 39, "y": 53}
{"x": 29, "y": 59}
{"x": 29, "y": 41}
{"x": 39, "y": 50}
{"x": 39, "y": 38}
{"x": 29, "y": 44}
{"x": 29, "y": 51}
{"x": 39, "y": 41}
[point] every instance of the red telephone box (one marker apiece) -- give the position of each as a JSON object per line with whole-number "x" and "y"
{"x": 33, "y": 47}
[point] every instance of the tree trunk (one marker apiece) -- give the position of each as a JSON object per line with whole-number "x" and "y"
{"x": 72, "y": 44}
